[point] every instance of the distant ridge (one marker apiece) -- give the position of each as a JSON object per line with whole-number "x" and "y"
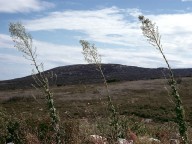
{"x": 76, "y": 74}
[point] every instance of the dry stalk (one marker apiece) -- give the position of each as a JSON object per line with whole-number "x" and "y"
{"x": 24, "y": 43}
{"x": 92, "y": 56}
{"x": 150, "y": 31}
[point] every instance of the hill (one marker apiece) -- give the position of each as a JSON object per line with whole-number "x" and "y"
{"x": 75, "y": 74}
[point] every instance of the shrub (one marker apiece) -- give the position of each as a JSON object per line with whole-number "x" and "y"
{"x": 112, "y": 80}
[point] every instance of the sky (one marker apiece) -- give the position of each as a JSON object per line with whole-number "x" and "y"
{"x": 112, "y": 25}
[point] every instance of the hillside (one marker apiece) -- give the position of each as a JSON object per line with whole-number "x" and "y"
{"x": 75, "y": 74}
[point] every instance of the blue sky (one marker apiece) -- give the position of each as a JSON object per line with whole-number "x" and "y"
{"x": 57, "y": 26}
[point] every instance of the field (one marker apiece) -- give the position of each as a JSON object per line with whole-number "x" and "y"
{"x": 136, "y": 102}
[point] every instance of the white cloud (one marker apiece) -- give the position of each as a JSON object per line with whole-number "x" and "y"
{"x": 173, "y": 23}
{"x": 13, "y": 66}
{"x": 57, "y": 55}
{"x": 134, "y": 12}
{"x": 175, "y": 29}
{"x": 108, "y": 25}
{"x": 5, "y": 41}
{"x": 119, "y": 26}
{"x": 10, "y": 6}
{"x": 11, "y": 58}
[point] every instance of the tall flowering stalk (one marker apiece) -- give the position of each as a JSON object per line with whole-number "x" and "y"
{"x": 24, "y": 43}
{"x": 91, "y": 55}
{"x": 150, "y": 31}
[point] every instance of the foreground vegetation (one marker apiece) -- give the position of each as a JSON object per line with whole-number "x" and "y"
{"x": 85, "y": 105}
{"x": 133, "y": 114}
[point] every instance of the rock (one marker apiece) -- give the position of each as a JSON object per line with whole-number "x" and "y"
{"x": 124, "y": 141}
{"x": 174, "y": 141}
{"x": 96, "y": 139}
{"x": 148, "y": 139}
{"x": 147, "y": 120}
{"x": 154, "y": 140}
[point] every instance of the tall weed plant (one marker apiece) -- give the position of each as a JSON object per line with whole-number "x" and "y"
{"x": 92, "y": 56}
{"x": 24, "y": 43}
{"x": 151, "y": 32}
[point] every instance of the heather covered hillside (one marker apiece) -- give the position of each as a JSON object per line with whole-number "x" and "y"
{"x": 84, "y": 74}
